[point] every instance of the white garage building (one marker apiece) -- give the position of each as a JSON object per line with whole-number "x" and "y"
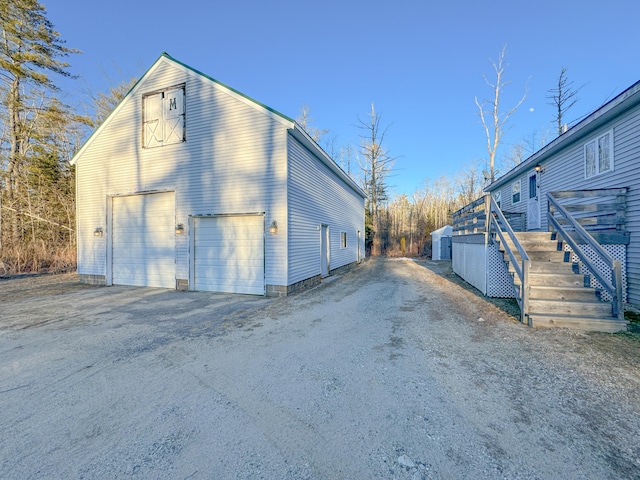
{"x": 190, "y": 184}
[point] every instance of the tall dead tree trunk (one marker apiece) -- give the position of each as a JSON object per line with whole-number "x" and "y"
{"x": 493, "y": 120}
{"x": 375, "y": 168}
{"x": 563, "y": 97}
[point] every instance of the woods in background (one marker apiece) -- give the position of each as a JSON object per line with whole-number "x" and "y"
{"x": 38, "y": 137}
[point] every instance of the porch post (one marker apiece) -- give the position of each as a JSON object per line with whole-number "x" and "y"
{"x": 487, "y": 211}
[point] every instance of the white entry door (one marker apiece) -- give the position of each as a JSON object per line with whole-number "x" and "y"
{"x": 533, "y": 202}
{"x": 143, "y": 240}
{"x": 229, "y": 254}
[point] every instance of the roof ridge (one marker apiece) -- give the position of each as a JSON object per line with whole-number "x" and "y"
{"x": 222, "y": 84}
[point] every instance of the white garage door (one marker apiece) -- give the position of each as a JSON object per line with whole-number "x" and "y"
{"x": 143, "y": 240}
{"x": 229, "y": 254}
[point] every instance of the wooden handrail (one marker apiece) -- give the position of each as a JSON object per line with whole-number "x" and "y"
{"x": 522, "y": 270}
{"x": 613, "y": 286}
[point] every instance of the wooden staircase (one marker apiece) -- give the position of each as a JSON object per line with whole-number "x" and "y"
{"x": 559, "y": 296}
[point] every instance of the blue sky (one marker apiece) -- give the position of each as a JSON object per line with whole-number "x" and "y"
{"x": 421, "y": 62}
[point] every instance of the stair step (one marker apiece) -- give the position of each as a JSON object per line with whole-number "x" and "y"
{"x": 534, "y": 244}
{"x": 592, "y": 308}
{"x": 556, "y": 280}
{"x": 535, "y": 235}
{"x": 549, "y": 267}
{"x": 543, "y": 292}
{"x": 545, "y": 256}
{"x": 578, "y": 322}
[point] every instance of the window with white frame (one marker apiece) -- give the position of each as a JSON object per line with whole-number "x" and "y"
{"x": 163, "y": 115}
{"x": 498, "y": 198}
{"x": 343, "y": 239}
{"x": 515, "y": 192}
{"x": 598, "y": 155}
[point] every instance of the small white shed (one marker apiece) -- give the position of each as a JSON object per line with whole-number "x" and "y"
{"x": 441, "y": 243}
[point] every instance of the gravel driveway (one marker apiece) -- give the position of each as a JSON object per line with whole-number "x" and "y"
{"x": 393, "y": 370}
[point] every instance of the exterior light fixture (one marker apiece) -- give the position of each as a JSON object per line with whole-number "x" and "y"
{"x": 179, "y": 229}
{"x": 274, "y": 227}
{"x": 539, "y": 169}
{"x": 98, "y": 232}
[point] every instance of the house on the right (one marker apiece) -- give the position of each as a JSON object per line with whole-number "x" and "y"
{"x": 578, "y": 197}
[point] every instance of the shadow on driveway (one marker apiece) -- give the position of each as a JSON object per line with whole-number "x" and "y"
{"x": 443, "y": 269}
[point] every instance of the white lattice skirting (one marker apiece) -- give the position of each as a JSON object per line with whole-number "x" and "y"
{"x": 499, "y": 283}
{"x": 618, "y": 252}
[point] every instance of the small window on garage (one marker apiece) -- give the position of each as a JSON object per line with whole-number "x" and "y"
{"x": 515, "y": 192}
{"x": 163, "y": 115}
{"x": 343, "y": 239}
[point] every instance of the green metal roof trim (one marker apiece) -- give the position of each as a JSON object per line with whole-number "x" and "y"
{"x": 166, "y": 55}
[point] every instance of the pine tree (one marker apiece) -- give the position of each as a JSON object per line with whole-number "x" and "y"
{"x": 30, "y": 52}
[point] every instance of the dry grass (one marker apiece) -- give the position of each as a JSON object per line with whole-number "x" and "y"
{"x": 37, "y": 257}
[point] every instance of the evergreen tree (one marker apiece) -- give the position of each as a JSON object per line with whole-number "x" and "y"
{"x": 35, "y": 126}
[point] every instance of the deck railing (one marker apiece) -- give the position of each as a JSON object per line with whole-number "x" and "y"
{"x": 573, "y": 232}
{"x": 497, "y": 222}
{"x": 598, "y": 211}
{"x": 472, "y": 218}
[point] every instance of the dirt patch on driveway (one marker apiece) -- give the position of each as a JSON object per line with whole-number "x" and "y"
{"x": 389, "y": 371}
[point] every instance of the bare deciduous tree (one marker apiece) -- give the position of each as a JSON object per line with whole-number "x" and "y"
{"x": 562, "y": 97}
{"x": 469, "y": 183}
{"x": 493, "y": 120}
{"x": 347, "y": 157}
{"x": 105, "y": 102}
{"x": 306, "y": 122}
{"x": 375, "y": 167}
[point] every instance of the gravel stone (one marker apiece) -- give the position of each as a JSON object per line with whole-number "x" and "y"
{"x": 384, "y": 367}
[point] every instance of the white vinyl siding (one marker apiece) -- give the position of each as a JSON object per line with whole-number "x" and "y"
{"x": 233, "y": 162}
{"x": 143, "y": 240}
{"x": 240, "y": 159}
{"x": 229, "y": 254}
{"x": 318, "y": 197}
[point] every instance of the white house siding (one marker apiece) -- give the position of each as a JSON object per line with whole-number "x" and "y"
{"x": 565, "y": 171}
{"x": 233, "y": 161}
{"x": 318, "y": 196}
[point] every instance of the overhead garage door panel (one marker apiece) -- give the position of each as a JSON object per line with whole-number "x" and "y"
{"x": 229, "y": 254}
{"x": 143, "y": 240}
